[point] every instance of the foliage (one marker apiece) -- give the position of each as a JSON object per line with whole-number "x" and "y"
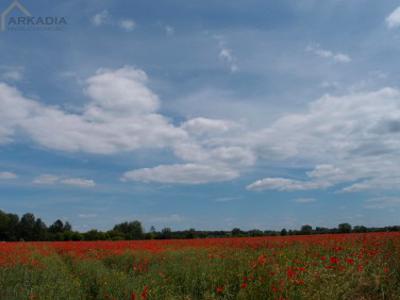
{"x": 28, "y": 228}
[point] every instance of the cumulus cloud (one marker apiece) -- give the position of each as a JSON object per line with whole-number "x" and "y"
{"x": 120, "y": 116}
{"x": 382, "y": 202}
{"x": 393, "y": 20}
{"x": 337, "y": 57}
{"x": 12, "y": 73}
{"x": 205, "y": 126}
{"x": 105, "y": 18}
{"x": 127, "y": 24}
{"x": 87, "y": 216}
{"x": 169, "y": 30}
{"x": 226, "y": 199}
{"x": 79, "y": 182}
{"x": 100, "y": 18}
{"x": 284, "y": 184}
{"x": 305, "y": 200}
{"x": 226, "y": 55}
{"x": 351, "y": 138}
{"x": 168, "y": 219}
{"x": 182, "y": 173}
{"x": 48, "y": 179}
{"x": 7, "y": 175}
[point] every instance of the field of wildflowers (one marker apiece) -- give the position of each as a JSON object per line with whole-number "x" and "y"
{"x": 352, "y": 266}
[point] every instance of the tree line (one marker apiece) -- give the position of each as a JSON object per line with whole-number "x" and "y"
{"x": 30, "y": 228}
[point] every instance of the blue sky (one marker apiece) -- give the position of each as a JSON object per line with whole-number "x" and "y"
{"x": 204, "y": 114}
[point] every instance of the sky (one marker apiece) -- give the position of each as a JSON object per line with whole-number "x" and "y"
{"x": 202, "y": 114}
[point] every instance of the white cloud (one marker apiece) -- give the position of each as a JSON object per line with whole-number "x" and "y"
{"x": 382, "y": 202}
{"x": 337, "y": 57}
{"x": 7, "y": 175}
{"x": 213, "y": 142}
{"x": 351, "y": 139}
{"x": 305, "y": 200}
{"x": 104, "y": 18}
{"x": 169, "y": 219}
{"x": 226, "y": 199}
{"x": 79, "y": 182}
{"x": 87, "y": 216}
{"x": 120, "y": 116}
{"x": 12, "y": 73}
{"x": 393, "y": 20}
{"x": 169, "y": 30}
{"x": 322, "y": 176}
{"x": 120, "y": 91}
{"x": 184, "y": 174}
{"x": 226, "y": 55}
{"x": 205, "y": 126}
{"x": 284, "y": 184}
{"x": 101, "y": 18}
{"x": 46, "y": 179}
{"x": 127, "y": 24}
{"x": 381, "y": 182}
{"x": 216, "y": 154}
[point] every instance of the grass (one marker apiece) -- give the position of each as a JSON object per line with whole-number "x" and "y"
{"x": 318, "y": 267}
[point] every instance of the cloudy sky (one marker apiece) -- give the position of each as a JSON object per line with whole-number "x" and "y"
{"x": 204, "y": 114}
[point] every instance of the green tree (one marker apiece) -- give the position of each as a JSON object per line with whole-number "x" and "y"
{"x": 5, "y": 226}
{"x": 190, "y": 234}
{"x": 236, "y": 232}
{"x": 67, "y": 226}
{"x": 130, "y": 230}
{"x": 40, "y": 230}
{"x": 166, "y": 233}
{"x": 306, "y": 229}
{"x": 344, "y": 228}
{"x": 27, "y": 227}
{"x": 57, "y": 227}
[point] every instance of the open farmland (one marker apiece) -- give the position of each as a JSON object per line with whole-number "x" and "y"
{"x": 352, "y": 266}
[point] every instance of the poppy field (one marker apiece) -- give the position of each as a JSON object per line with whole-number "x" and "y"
{"x": 350, "y": 266}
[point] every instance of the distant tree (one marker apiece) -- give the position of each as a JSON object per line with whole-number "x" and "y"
{"x": 115, "y": 235}
{"x": 151, "y": 235}
{"x": 7, "y": 232}
{"x": 76, "y": 236}
{"x": 360, "y": 229}
{"x": 130, "y": 230}
{"x": 166, "y": 233}
{"x": 321, "y": 230}
{"x": 13, "y": 227}
{"x": 344, "y": 228}
{"x": 284, "y": 232}
{"x": 40, "y": 230}
{"x": 27, "y": 227}
{"x": 236, "y": 232}
{"x": 57, "y": 227}
{"x": 306, "y": 229}
{"x": 94, "y": 235}
{"x": 190, "y": 234}
{"x": 255, "y": 232}
{"x": 67, "y": 226}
